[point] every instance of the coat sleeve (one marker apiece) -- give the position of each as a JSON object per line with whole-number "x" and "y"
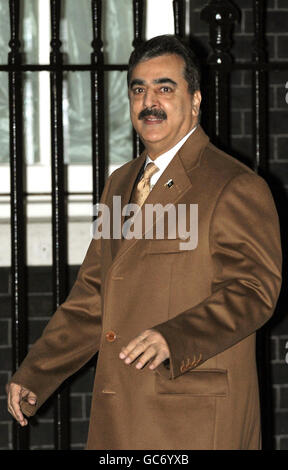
{"x": 71, "y": 337}
{"x": 246, "y": 256}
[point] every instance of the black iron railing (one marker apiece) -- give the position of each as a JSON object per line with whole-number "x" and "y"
{"x": 221, "y": 15}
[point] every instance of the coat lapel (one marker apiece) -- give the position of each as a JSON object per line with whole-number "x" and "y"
{"x": 125, "y": 183}
{"x": 187, "y": 158}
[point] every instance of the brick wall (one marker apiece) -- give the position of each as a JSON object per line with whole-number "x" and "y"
{"x": 40, "y": 297}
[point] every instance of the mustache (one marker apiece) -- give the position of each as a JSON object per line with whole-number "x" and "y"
{"x": 158, "y": 113}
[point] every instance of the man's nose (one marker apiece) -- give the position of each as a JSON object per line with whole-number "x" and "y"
{"x": 150, "y": 99}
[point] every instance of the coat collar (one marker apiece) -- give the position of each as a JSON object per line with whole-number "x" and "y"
{"x": 185, "y": 160}
{"x": 191, "y": 151}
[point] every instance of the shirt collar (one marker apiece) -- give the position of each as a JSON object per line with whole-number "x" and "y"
{"x": 163, "y": 160}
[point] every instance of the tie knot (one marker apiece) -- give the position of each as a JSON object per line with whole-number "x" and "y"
{"x": 149, "y": 171}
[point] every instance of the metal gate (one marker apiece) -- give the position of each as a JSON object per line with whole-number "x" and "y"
{"x": 221, "y": 16}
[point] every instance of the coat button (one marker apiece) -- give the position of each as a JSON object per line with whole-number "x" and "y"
{"x": 111, "y": 336}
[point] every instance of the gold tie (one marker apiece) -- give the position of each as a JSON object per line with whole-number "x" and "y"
{"x": 142, "y": 189}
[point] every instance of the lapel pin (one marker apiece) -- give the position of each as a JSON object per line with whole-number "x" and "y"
{"x": 169, "y": 183}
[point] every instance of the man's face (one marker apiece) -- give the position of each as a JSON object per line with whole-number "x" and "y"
{"x": 162, "y": 109}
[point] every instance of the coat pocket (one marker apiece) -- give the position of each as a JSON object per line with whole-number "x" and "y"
{"x": 201, "y": 382}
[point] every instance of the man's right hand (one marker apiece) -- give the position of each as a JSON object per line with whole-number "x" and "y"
{"x": 16, "y": 393}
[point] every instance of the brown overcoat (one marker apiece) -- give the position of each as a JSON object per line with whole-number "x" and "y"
{"x": 207, "y": 302}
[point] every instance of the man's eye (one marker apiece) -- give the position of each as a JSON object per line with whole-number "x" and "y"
{"x": 138, "y": 90}
{"x": 166, "y": 89}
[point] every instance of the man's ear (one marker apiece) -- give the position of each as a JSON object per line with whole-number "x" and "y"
{"x": 196, "y": 102}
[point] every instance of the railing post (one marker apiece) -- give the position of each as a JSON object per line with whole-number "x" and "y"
{"x": 259, "y": 88}
{"x": 138, "y": 22}
{"x": 138, "y": 16}
{"x": 179, "y": 17}
{"x": 59, "y": 212}
{"x": 97, "y": 103}
{"x": 18, "y": 214}
{"x": 221, "y": 16}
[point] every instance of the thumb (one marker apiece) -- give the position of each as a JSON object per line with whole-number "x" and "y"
{"x": 32, "y": 398}
{"x": 29, "y": 396}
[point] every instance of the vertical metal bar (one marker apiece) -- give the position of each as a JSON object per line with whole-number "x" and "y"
{"x": 59, "y": 219}
{"x": 221, "y": 16}
{"x": 260, "y": 88}
{"x": 97, "y": 103}
{"x": 260, "y": 144}
{"x": 138, "y": 15}
{"x": 18, "y": 213}
{"x": 179, "y": 17}
{"x": 138, "y": 23}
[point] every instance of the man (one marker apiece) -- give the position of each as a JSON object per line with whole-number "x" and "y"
{"x": 174, "y": 325}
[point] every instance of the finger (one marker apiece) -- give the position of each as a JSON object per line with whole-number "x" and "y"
{"x": 14, "y": 405}
{"x": 31, "y": 398}
{"x": 11, "y": 411}
{"x": 139, "y": 349}
{"x": 161, "y": 352}
{"x": 160, "y": 357}
{"x": 132, "y": 345}
{"x": 127, "y": 349}
{"x": 149, "y": 354}
{"x": 17, "y": 394}
{"x": 27, "y": 395}
{"x": 16, "y": 410}
{"x": 12, "y": 393}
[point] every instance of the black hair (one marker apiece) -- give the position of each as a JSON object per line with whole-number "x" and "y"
{"x": 163, "y": 45}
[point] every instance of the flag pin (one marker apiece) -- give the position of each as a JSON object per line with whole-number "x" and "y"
{"x": 169, "y": 183}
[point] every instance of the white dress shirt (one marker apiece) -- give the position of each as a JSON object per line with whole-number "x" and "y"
{"x": 163, "y": 160}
